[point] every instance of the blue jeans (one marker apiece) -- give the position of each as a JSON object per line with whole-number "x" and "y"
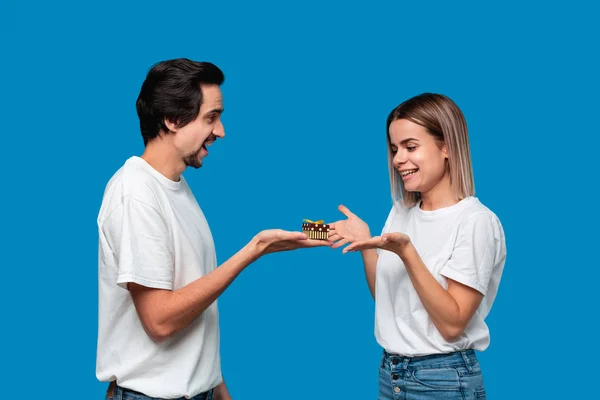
{"x": 126, "y": 394}
{"x": 440, "y": 376}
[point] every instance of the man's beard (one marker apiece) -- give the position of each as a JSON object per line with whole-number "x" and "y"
{"x": 192, "y": 160}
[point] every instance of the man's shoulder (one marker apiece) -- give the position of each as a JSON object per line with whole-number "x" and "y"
{"x": 136, "y": 181}
{"x": 130, "y": 174}
{"x": 131, "y": 180}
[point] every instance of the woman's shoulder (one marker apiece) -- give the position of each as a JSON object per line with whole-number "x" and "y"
{"x": 478, "y": 216}
{"x": 474, "y": 208}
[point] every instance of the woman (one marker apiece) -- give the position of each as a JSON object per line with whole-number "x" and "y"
{"x": 435, "y": 269}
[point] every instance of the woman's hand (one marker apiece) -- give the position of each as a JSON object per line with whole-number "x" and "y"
{"x": 395, "y": 242}
{"x": 350, "y": 230}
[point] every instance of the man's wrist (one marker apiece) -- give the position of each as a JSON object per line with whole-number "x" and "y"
{"x": 251, "y": 252}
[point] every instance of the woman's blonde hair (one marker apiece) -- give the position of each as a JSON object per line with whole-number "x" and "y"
{"x": 442, "y": 118}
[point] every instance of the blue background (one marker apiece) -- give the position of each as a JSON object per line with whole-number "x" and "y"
{"x": 304, "y": 81}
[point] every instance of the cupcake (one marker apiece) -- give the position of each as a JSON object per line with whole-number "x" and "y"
{"x": 315, "y": 229}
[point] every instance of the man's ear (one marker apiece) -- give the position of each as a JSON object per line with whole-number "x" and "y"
{"x": 171, "y": 126}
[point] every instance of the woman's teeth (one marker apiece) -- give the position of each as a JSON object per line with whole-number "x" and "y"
{"x": 408, "y": 172}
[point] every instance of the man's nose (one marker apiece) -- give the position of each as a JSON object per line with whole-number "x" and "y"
{"x": 219, "y": 130}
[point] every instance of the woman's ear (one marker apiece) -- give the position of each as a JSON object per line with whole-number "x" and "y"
{"x": 444, "y": 150}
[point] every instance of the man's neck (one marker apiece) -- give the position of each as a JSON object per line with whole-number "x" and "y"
{"x": 166, "y": 162}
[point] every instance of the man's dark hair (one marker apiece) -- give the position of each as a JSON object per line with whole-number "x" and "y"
{"x": 172, "y": 91}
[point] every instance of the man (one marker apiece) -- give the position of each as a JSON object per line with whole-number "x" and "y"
{"x": 158, "y": 331}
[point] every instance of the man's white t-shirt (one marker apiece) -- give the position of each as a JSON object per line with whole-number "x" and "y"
{"x": 464, "y": 242}
{"x": 152, "y": 232}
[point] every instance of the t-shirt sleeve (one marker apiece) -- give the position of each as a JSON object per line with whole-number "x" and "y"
{"x": 145, "y": 254}
{"x": 474, "y": 255}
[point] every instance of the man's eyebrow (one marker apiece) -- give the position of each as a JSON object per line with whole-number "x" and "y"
{"x": 215, "y": 111}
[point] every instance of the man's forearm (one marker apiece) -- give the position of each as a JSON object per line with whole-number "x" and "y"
{"x": 167, "y": 312}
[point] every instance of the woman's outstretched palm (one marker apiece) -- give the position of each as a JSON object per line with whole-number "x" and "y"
{"x": 348, "y": 230}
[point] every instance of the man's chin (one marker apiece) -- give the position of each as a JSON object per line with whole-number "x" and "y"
{"x": 195, "y": 165}
{"x": 194, "y": 162}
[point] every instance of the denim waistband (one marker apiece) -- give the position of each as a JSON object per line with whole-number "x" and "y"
{"x": 465, "y": 358}
{"x": 121, "y": 391}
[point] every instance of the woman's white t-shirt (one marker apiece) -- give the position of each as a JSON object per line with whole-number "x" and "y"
{"x": 464, "y": 242}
